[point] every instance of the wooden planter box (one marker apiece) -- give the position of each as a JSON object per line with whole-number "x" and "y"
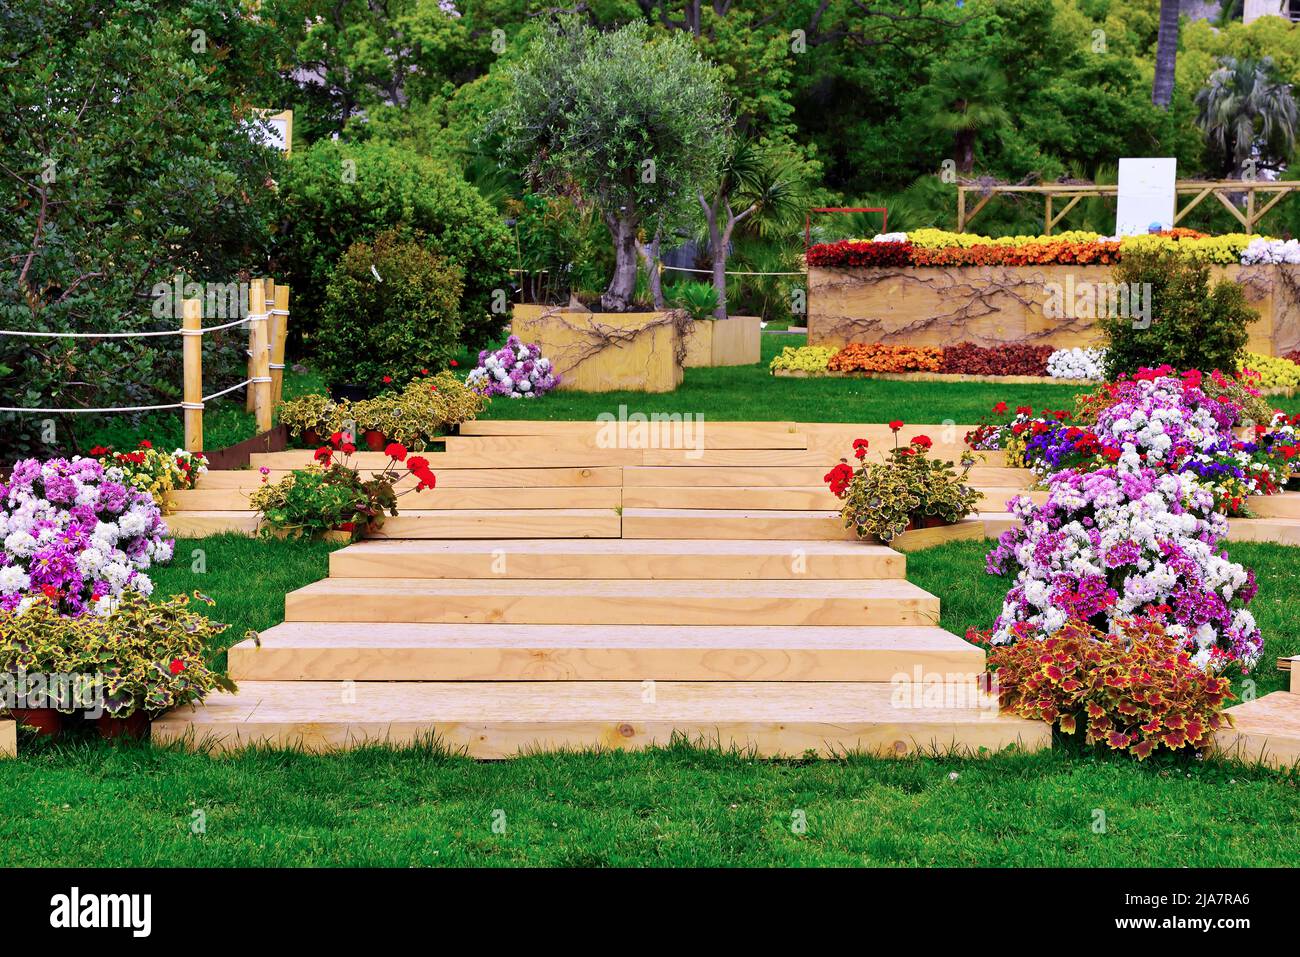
{"x": 734, "y": 341}
{"x": 916, "y": 539}
{"x": 608, "y": 351}
{"x": 992, "y": 305}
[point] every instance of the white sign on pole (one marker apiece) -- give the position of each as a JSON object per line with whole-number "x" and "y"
{"x": 1146, "y": 195}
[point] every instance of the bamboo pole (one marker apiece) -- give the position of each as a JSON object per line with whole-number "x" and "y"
{"x": 280, "y": 315}
{"x": 261, "y": 355}
{"x": 192, "y": 354}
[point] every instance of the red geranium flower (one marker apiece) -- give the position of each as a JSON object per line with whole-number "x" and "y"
{"x": 146, "y": 444}
{"x": 896, "y": 424}
{"x": 860, "y": 447}
{"x": 999, "y": 408}
{"x": 923, "y": 441}
{"x": 396, "y": 451}
{"x": 177, "y": 666}
{"x": 323, "y": 455}
{"x": 336, "y": 439}
{"x": 387, "y": 379}
{"x": 98, "y": 450}
{"x": 454, "y": 363}
{"x": 347, "y": 448}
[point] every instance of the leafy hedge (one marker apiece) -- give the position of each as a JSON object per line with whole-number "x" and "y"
{"x": 336, "y": 194}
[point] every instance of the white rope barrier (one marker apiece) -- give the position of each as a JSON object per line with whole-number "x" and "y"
{"x": 142, "y": 408}
{"x": 734, "y": 272}
{"x": 132, "y": 335}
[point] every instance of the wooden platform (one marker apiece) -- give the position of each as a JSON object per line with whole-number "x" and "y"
{"x": 1265, "y": 730}
{"x": 324, "y": 651}
{"x": 8, "y": 738}
{"x": 501, "y": 719}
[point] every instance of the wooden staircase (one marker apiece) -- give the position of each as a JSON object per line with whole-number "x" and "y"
{"x": 523, "y": 606}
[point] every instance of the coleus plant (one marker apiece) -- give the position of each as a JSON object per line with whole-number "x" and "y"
{"x": 1135, "y": 689}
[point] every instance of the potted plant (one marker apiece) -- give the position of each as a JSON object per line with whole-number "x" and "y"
{"x": 119, "y": 668}
{"x": 331, "y": 499}
{"x": 312, "y": 416}
{"x": 906, "y": 490}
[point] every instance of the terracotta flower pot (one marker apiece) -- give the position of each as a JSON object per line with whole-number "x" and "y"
{"x": 46, "y": 721}
{"x": 311, "y": 437}
{"x": 134, "y": 726}
{"x": 375, "y": 441}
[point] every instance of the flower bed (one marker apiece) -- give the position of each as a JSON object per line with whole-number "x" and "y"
{"x": 76, "y": 535}
{"x": 517, "y": 370}
{"x": 152, "y": 471}
{"x": 1111, "y": 543}
{"x": 933, "y": 248}
{"x": 962, "y": 362}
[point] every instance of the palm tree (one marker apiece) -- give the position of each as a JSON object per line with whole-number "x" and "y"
{"x": 965, "y": 99}
{"x": 1162, "y": 89}
{"x": 1248, "y": 114}
{"x": 753, "y": 187}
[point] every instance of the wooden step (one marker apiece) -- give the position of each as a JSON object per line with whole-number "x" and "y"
{"x": 724, "y": 477}
{"x": 996, "y": 499}
{"x": 1266, "y": 729}
{"x": 586, "y": 601}
{"x": 585, "y": 427}
{"x": 735, "y": 523}
{"x": 616, "y": 558}
{"x": 323, "y": 651}
{"x": 741, "y": 457}
{"x": 203, "y": 523}
{"x": 711, "y": 497}
{"x": 572, "y": 457}
{"x": 8, "y": 738}
{"x": 498, "y": 477}
{"x": 1285, "y": 505}
{"x": 504, "y": 719}
{"x": 988, "y": 476}
{"x": 434, "y": 498}
{"x": 631, "y": 435}
{"x": 503, "y": 523}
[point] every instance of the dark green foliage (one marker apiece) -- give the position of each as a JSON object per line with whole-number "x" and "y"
{"x": 336, "y": 194}
{"x": 127, "y": 159}
{"x": 1193, "y": 325}
{"x": 393, "y": 324}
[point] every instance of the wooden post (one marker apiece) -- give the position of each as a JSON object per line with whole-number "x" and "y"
{"x": 261, "y": 355}
{"x": 961, "y": 209}
{"x": 192, "y": 353}
{"x": 279, "y": 336}
{"x": 1047, "y": 215}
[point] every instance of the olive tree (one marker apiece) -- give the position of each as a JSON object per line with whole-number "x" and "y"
{"x": 638, "y": 124}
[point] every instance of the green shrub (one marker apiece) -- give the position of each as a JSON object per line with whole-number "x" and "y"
{"x": 336, "y": 194}
{"x": 697, "y": 299}
{"x": 1192, "y": 326}
{"x": 393, "y": 324}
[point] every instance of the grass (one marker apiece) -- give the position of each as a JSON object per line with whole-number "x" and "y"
{"x": 734, "y": 394}
{"x": 84, "y": 803}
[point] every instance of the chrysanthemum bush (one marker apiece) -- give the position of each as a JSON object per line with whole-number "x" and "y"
{"x": 151, "y": 470}
{"x": 1134, "y": 689}
{"x": 517, "y": 370}
{"x": 1076, "y": 363}
{"x": 76, "y": 535}
{"x": 1109, "y": 544}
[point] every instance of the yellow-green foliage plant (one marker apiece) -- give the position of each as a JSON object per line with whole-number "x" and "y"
{"x": 1270, "y": 372}
{"x": 150, "y": 655}
{"x": 424, "y": 408}
{"x": 802, "y": 359}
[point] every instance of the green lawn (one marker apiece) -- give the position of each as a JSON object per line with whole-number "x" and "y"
{"x": 81, "y": 802}
{"x": 735, "y": 394}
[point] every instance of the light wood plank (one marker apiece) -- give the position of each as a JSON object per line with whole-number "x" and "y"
{"x": 723, "y": 477}
{"x": 503, "y": 719}
{"x": 582, "y": 427}
{"x": 920, "y": 538}
{"x": 615, "y": 558}
{"x": 8, "y": 738}
{"x": 742, "y": 457}
{"x": 321, "y": 651}
{"x": 1266, "y": 729}
{"x": 503, "y": 523}
{"x": 754, "y": 498}
{"x": 600, "y": 436}
{"x": 202, "y": 524}
{"x": 734, "y": 523}
{"x": 499, "y": 477}
{"x": 594, "y": 602}
{"x": 434, "y": 498}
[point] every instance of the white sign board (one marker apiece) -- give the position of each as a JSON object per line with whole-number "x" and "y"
{"x": 1146, "y": 195}
{"x": 280, "y": 134}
